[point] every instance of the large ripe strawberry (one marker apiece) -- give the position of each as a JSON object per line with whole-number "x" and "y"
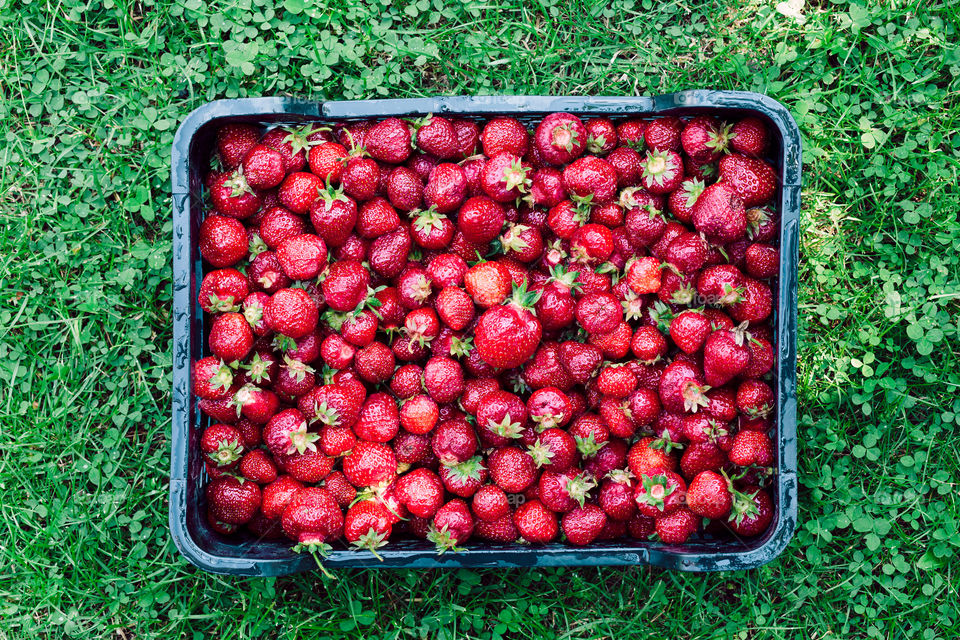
{"x": 333, "y": 215}
{"x": 375, "y": 363}
{"x": 719, "y": 214}
{"x": 233, "y": 500}
{"x": 367, "y": 525}
{"x": 468, "y": 137}
{"x": 389, "y": 141}
{"x": 263, "y": 167}
{"x": 212, "y": 378}
{"x": 345, "y": 286}
{"x": 299, "y": 190}
{"x": 704, "y": 139}
{"x": 601, "y": 136}
{"x": 535, "y": 522}
{"x": 709, "y": 495}
{"x": 437, "y": 136}
{"x": 751, "y": 448}
{"x": 222, "y": 241}
{"x": 504, "y": 134}
{"x": 488, "y": 283}
{"x": 446, "y": 188}
{"x": 752, "y": 511}
{"x": 507, "y": 335}
{"x": 404, "y": 189}
{"x": 421, "y": 492}
{"x": 725, "y": 355}
{"x": 599, "y": 313}
{"x": 689, "y": 330}
{"x": 312, "y": 518}
{"x": 292, "y": 313}
{"x": 232, "y": 196}
{"x": 452, "y": 526}
{"x": 591, "y": 177}
{"x": 505, "y": 177}
{"x": 302, "y": 257}
{"x": 234, "y": 141}
{"x": 659, "y": 493}
{"x": 361, "y": 178}
{"x": 755, "y": 303}
{"x": 560, "y": 138}
{"x": 443, "y": 379}
{"x": 222, "y": 444}
{"x": 369, "y": 463}
{"x": 749, "y": 136}
{"x": 754, "y": 180}
{"x": 431, "y": 230}
{"x": 389, "y": 252}
{"x": 277, "y": 495}
{"x": 661, "y": 172}
{"x": 584, "y": 524}
{"x": 222, "y": 290}
{"x": 677, "y": 527}
{"x": 230, "y": 337}
{"x": 663, "y": 133}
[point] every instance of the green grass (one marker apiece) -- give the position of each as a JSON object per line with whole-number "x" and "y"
{"x": 92, "y": 93}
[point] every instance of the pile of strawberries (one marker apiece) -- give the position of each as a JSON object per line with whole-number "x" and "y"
{"x": 454, "y": 329}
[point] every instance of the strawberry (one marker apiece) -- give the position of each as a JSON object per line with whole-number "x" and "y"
{"x": 522, "y": 242}
{"x": 584, "y": 524}
{"x": 626, "y": 164}
{"x": 546, "y": 370}
{"x": 419, "y": 414}
{"x": 468, "y": 137}
{"x": 222, "y": 241}
{"x": 720, "y": 284}
{"x": 752, "y": 513}
{"x": 599, "y": 313}
{"x": 630, "y": 134}
{"x": 661, "y": 172}
{"x": 644, "y": 457}
{"x": 375, "y": 363}
{"x": 546, "y": 187}
{"x": 616, "y": 495}
{"x": 292, "y": 313}
{"x": 500, "y": 530}
{"x": 302, "y": 257}
{"x": 601, "y": 136}
{"x": 560, "y": 138}
{"x": 232, "y": 500}
{"x": 404, "y": 189}
{"x": 504, "y": 134}
{"x": 464, "y": 478}
{"x": 389, "y": 252}
{"x": 535, "y": 523}
{"x": 452, "y": 525}
{"x": 704, "y": 139}
{"x": 709, "y": 495}
{"x": 257, "y": 466}
{"x": 230, "y": 337}
{"x": 326, "y": 161}
{"x": 762, "y": 260}
{"x": 681, "y": 201}
{"x": 278, "y": 224}
{"x": 591, "y": 244}
{"x": 446, "y": 188}
{"x": 580, "y": 360}
{"x": 591, "y": 177}
{"x": 220, "y": 410}
{"x": 616, "y": 381}
{"x": 755, "y": 399}
{"x": 702, "y": 456}
{"x": 312, "y": 518}
{"x": 212, "y": 378}
{"x": 222, "y": 445}
{"x": 256, "y": 404}
{"x": 389, "y": 141}
{"x": 263, "y": 167}
{"x": 507, "y": 335}
{"x": 725, "y": 355}
{"x": 590, "y": 432}
{"x": 648, "y": 344}
{"x": 454, "y": 441}
{"x": 361, "y": 178}
{"x": 689, "y": 330}
{"x": 562, "y": 492}
{"x": 443, "y": 379}
{"x": 751, "y": 448}
{"x": 659, "y": 493}
{"x": 488, "y": 283}
{"x": 222, "y": 290}
{"x": 512, "y": 469}
{"x": 505, "y": 177}
{"x": 376, "y": 217}
{"x": 474, "y": 390}
{"x": 749, "y": 136}
{"x": 643, "y": 275}
{"x": 369, "y": 463}
{"x": 438, "y": 137}
{"x": 287, "y": 433}
{"x": 761, "y": 358}
{"x": 277, "y": 495}
{"x": 234, "y": 141}
{"x": 554, "y": 450}
{"x": 455, "y": 307}
{"x": 490, "y": 503}
{"x": 333, "y": 216}
{"x": 719, "y": 214}
{"x": 754, "y": 180}
{"x": 480, "y": 219}
{"x": 292, "y": 143}
{"x": 687, "y": 253}
{"x": 549, "y": 407}
{"x": 379, "y": 419}
{"x": 299, "y": 190}
{"x": 232, "y": 196}
{"x": 431, "y": 230}
{"x": 663, "y": 133}
{"x": 345, "y": 286}
{"x": 677, "y": 527}
{"x": 755, "y": 304}
{"x": 501, "y": 416}
{"x": 367, "y": 525}
{"x": 332, "y": 404}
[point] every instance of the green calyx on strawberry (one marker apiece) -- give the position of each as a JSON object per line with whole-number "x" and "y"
{"x": 299, "y": 137}
{"x": 223, "y": 305}
{"x": 621, "y": 476}
{"x": 238, "y": 184}
{"x": 578, "y": 487}
{"x": 656, "y": 489}
{"x": 694, "y": 396}
{"x": 298, "y": 370}
{"x": 222, "y": 379}
{"x": 541, "y": 452}
{"x": 428, "y": 219}
{"x": 512, "y": 238}
{"x": 461, "y": 347}
{"x": 506, "y": 428}
{"x": 227, "y": 453}
{"x": 257, "y": 245}
{"x": 302, "y": 440}
{"x": 443, "y": 539}
{"x": 258, "y": 369}
{"x": 694, "y": 188}
{"x": 371, "y": 541}
{"x": 283, "y": 343}
{"x": 515, "y": 177}
{"x": 315, "y": 546}
{"x": 468, "y": 470}
{"x": 335, "y": 319}
{"x": 665, "y": 443}
{"x": 719, "y": 139}
{"x": 633, "y": 306}
{"x": 588, "y": 446}
{"x": 565, "y": 137}
{"x": 325, "y": 414}
{"x": 662, "y": 316}
{"x": 523, "y": 299}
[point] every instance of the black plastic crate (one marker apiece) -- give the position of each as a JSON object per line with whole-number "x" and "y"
{"x": 248, "y": 556}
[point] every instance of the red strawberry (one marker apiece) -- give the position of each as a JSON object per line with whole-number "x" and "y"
{"x": 762, "y": 260}
{"x": 626, "y": 164}
{"x": 702, "y": 456}
{"x": 677, "y": 527}
{"x": 512, "y": 469}
{"x": 379, "y": 419}
{"x": 367, "y": 525}
{"x": 292, "y": 313}
{"x": 488, "y": 283}
{"x": 455, "y": 307}
{"x": 212, "y": 378}
{"x": 506, "y": 336}
{"x": 681, "y": 202}
{"x": 438, "y": 137}
{"x": 630, "y": 133}
{"x": 256, "y": 404}
{"x": 232, "y": 196}
{"x": 501, "y": 416}
{"x": 452, "y": 525}
{"x": 689, "y": 330}
{"x": 230, "y": 337}
{"x": 535, "y": 522}
{"x": 480, "y": 219}
{"x": 755, "y": 399}
{"x": 504, "y": 134}
{"x": 719, "y": 214}
{"x": 761, "y": 358}
{"x": 754, "y": 180}
{"x": 263, "y": 167}
{"x": 222, "y": 290}
{"x": 419, "y": 414}
{"x": 659, "y": 493}
{"x": 257, "y": 466}
{"x": 599, "y": 313}
{"x": 299, "y": 190}
{"x": 580, "y": 360}
{"x": 549, "y": 407}
{"x": 421, "y": 492}
{"x": 232, "y": 500}
{"x": 278, "y": 224}
{"x": 648, "y": 344}
{"x": 369, "y": 463}
{"x": 591, "y": 244}
{"x": 454, "y": 441}
{"x": 704, "y": 139}
{"x": 446, "y": 188}
{"x": 222, "y": 444}
{"x": 751, "y": 513}
{"x": 661, "y": 172}
{"x": 751, "y": 448}
{"x": 361, "y": 178}
{"x": 222, "y": 241}
{"x": 464, "y": 478}
{"x": 468, "y": 137}
{"x": 601, "y": 136}
{"x": 755, "y": 304}
{"x": 591, "y": 177}
{"x": 490, "y": 503}
{"x": 720, "y": 284}
{"x": 616, "y": 495}
{"x": 375, "y": 363}
{"x": 725, "y": 355}
{"x": 644, "y": 457}
{"x": 333, "y": 216}
{"x": 312, "y": 518}
{"x": 302, "y": 257}
{"x": 293, "y": 143}
{"x": 709, "y": 495}
{"x": 749, "y": 136}
{"x": 584, "y": 524}
{"x": 443, "y": 379}
{"x": 687, "y": 253}
{"x": 560, "y": 138}
{"x": 389, "y": 141}
{"x": 404, "y": 189}
{"x": 346, "y": 284}
{"x": 327, "y": 161}
{"x": 234, "y": 141}
{"x": 616, "y": 381}
{"x": 663, "y": 133}
{"x": 546, "y": 187}
{"x": 505, "y": 177}
{"x": 564, "y": 491}
{"x": 522, "y": 243}
{"x": 389, "y": 253}
{"x": 277, "y": 495}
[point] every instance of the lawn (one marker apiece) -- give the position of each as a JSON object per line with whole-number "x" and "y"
{"x": 92, "y": 94}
